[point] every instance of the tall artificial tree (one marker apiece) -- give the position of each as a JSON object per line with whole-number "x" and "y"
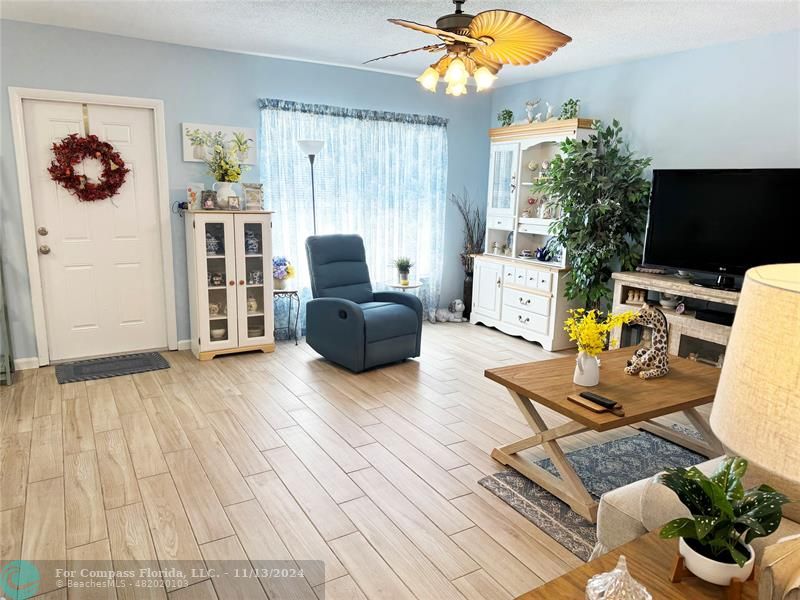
{"x": 598, "y": 185}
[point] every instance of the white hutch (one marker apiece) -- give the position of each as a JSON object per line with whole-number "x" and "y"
{"x": 229, "y": 256}
{"x": 512, "y": 290}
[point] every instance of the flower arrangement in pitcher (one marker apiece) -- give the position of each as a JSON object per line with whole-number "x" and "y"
{"x": 282, "y": 270}
{"x": 590, "y": 332}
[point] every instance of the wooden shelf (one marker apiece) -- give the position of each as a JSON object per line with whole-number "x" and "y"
{"x": 218, "y": 318}
{"x": 253, "y": 255}
{"x": 675, "y": 285}
{"x": 527, "y": 130}
{"x": 216, "y": 287}
{"x": 215, "y": 256}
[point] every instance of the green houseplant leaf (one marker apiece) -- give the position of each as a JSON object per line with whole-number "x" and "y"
{"x": 725, "y": 516}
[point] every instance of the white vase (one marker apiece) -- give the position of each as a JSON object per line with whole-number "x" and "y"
{"x": 224, "y": 191}
{"x": 587, "y": 370}
{"x": 278, "y": 284}
{"x": 712, "y": 571}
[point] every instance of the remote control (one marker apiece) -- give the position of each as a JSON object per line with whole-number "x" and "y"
{"x": 598, "y": 399}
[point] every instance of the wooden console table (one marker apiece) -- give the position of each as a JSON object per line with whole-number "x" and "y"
{"x": 650, "y": 561}
{"x": 549, "y": 382}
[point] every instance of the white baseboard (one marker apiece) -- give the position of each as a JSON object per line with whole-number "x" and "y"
{"x": 21, "y": 364}
{"x": 184, "y": 344}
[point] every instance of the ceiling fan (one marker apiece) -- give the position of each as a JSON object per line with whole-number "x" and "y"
{"x": 479, "y": 45}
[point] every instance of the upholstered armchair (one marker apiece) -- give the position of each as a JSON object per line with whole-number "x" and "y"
{"x": 347, "y": 322}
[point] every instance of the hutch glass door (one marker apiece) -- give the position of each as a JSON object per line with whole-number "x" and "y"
{"x": 254, "y": 272}
{"x": 217, "y": 272}
{"x": 503, "y": 178}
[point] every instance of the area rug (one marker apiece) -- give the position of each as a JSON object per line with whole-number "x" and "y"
{"x": 112, "y": 366}
{"x": 601, "y": 468}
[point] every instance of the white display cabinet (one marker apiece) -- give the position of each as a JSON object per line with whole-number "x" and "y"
{"x": 513, "y": 292}
{"x": 229, "y": 256}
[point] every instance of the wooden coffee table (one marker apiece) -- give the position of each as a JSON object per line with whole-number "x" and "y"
{"x": 688, "y": 385}
{"x": 650, "y": 560}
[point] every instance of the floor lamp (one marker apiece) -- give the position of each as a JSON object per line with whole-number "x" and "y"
{"x": 311, "y": 148}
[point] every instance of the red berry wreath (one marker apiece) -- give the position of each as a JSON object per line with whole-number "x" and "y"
{"x": 72, "y": 150}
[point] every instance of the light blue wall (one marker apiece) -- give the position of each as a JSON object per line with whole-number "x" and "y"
{"x": 732, "y": 105}
{"x": 205, "y": 86}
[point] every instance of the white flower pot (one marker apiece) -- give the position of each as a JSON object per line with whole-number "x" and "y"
{"x": 710, "y": 570}
{"x": 587, "y": 370}
{"x": 224, "y": 191}
{"x": 278, "y": 284}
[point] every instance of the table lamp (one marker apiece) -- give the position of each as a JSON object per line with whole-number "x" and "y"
{"x": 756, "y": 411}
{"x": 311, "y": 148}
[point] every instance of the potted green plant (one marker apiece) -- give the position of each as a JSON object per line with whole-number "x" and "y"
{"x": 403, "y": 266}
{"x": 506, "y": 117}
{"x": 715, "y": 541}
{"x": 598, "y": 188}
{"x": 474, "y": 237}
{"x": 569, "y": 110}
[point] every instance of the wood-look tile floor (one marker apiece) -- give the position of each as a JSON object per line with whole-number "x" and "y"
{"x": 280, "y": 456}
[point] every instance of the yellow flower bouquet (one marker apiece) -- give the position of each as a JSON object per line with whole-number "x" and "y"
{"x": 590, "y": 332}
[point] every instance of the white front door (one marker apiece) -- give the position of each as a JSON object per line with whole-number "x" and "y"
{"x": 102, "y": 279}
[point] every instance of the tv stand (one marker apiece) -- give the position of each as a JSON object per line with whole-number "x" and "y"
{"x": 679, "y": 324}
{"x": 722, "y": 282}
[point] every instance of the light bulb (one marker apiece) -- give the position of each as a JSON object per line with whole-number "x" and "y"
{"x": 429, "y": 79}
{"x": 456, "y": 72}
{"x": 456, "y": 89}
{"x": 484, "y": 78}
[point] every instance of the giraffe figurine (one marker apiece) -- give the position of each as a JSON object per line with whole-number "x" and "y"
{"x": 650, "y": 360}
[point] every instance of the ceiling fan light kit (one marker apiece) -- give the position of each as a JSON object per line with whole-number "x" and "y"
{"x": 479, "y": 45}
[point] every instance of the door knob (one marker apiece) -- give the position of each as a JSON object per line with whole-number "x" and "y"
{"x": 44, "y": 249}
{"x": 42, "y": 231}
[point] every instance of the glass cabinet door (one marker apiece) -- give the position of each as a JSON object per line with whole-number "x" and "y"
{"x": 216, "y": 282}
{"x": 254, "y": 271}
{"x": 503, "y": 178}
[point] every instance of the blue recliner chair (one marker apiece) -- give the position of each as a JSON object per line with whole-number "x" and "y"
{"x": 347, "y": 322}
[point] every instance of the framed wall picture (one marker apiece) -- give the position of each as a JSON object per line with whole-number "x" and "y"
{"x": 196, "y": 135}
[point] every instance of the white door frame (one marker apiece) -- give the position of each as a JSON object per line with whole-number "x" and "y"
{"x": 16, "y": 96}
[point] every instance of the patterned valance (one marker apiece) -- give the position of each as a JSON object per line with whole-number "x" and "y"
{"x": 354, "y": 113}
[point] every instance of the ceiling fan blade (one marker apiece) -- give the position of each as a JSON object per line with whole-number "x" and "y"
{"x": 517, "y": 39}
{"x": 429, "y": 48}
{"x": 447, "y": 36}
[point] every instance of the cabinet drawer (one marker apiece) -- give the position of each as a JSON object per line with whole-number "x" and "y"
{"x": 525, "y": 320}
{"x": 509, "y": 274}
{"x": 520, "y": 276}
{"x": 505, "y": 223}
{"x": 527, "y": 302}
{"x": 544, "y": 281}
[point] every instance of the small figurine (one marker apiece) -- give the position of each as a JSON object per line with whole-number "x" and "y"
{"x": 454, "y": 313}
{"x": 650, "y": 360}
{"x": 495, "y": 248}
{"x": 616, "y": 585}
{"x": 537, "y": 118}
{"x": 526, "y": 214}
{"x": 529, "y": 106}
{"x": 532, "y": 166}
{"x": 549, "y": 116}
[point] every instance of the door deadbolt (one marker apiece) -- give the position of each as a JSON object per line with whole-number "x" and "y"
{"x": 44, "y": 249}
{"x": 42, "y": 231}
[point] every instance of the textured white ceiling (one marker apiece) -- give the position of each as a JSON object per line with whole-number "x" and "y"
{"x": 349, "y": 32}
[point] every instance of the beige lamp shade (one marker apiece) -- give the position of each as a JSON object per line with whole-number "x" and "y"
{"x": 756, "y": 412}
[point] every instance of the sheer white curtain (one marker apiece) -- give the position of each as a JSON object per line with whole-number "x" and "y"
{"x": 380, "y": 175}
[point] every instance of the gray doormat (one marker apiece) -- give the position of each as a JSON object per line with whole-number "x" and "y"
{"x": 112, "y": 366}
{"x": 602, "y": 468}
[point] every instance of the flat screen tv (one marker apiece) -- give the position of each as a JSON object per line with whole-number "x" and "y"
{"x": 723, "y": 221}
